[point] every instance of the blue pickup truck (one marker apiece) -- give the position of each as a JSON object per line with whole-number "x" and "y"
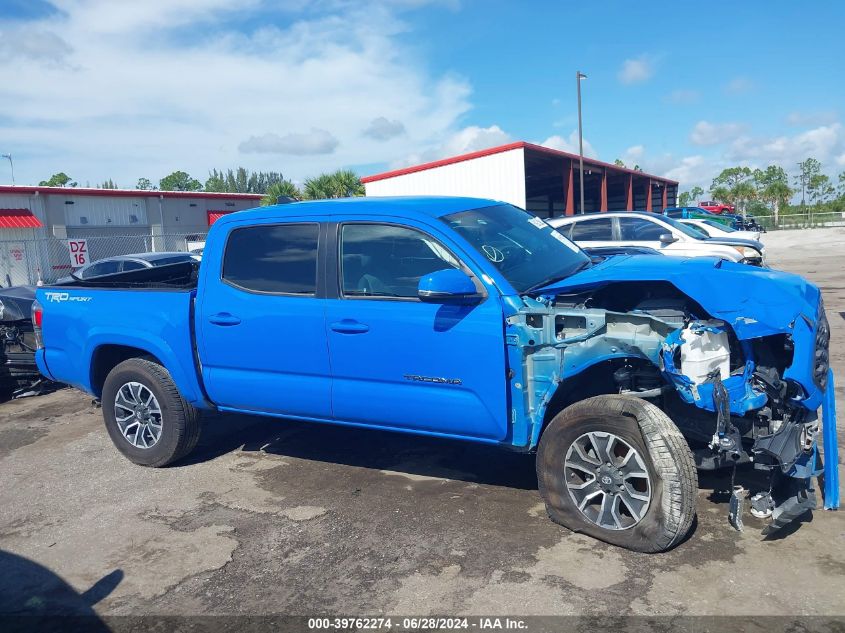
{"x": 475, "y": 320}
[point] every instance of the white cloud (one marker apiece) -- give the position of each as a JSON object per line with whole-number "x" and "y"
{"x": 683, "y": 96}
{"x": 636, "y": 70}
{"x": 130, "y": 90}
{"x": 316, "y": 141}
{"x": 739, "y": 85}
{"x": 706, "y": 133}
{"x": 383, "y": 129}
{"x": 824, "y": 143}
{"x": 569, "y": 144}
{"x": 464, "y": 141}
{"x": 801, "y": 119}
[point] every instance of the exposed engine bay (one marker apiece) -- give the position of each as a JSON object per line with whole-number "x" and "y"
{"x": 737, "y": 401}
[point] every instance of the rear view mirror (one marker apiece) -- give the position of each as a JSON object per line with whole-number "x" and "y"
{"x": 668, "y": 238}
{"x": 449, "y": 285}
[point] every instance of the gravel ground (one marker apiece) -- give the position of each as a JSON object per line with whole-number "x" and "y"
{"x": 283, "y": 517}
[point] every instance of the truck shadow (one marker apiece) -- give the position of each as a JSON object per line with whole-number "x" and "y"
{"x": 365, "y": 448}
{"x": 32, "y": 597}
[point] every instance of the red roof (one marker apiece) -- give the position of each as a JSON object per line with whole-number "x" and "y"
{"x": 18, "y": 219}
{"x": 214, "y": 215}
{"x": 505, "y": 148}
{"x": 124, "y": 193}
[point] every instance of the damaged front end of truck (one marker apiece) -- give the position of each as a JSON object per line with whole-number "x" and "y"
{"x": 737, "y": 357}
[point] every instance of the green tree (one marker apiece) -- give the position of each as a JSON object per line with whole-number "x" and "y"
{"x": 242, "y": 180}
{"x": 144, "y": 184}
{"x": 809, "y": 168}
{"x": 820, "y": 189}
{"x": 179, "y": 181}
{"x": 342, "y": 183}
{"x": 695, "y": 194}
{"x": 684, "y": 199}
{"x": 283, "y": 189}
{"x": 733, "y": 185}
{"x": 840, "y": 189}
{"x": 618, "y": 162}
{"x": 108, "y": 184}
{"x": 58, "y": 180}
{"x": 773, "y": 188}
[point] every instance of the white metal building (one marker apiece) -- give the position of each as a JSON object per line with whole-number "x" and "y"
{"x": 542, "y": 180}
{"x": 37, "y": 222}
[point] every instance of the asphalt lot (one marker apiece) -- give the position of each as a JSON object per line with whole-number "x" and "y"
{"x": 278, "y": 517}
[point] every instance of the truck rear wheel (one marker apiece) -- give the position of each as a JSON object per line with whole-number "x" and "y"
{"x": 617, "y": 468}
{"x": 146, "y": 416}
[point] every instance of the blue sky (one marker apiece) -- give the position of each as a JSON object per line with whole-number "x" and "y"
{"x": 104, "y": 89}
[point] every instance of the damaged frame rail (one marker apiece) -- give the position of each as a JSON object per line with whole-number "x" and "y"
{"x": 780, "y": 438}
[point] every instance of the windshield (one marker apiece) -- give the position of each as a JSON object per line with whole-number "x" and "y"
{"x": 720, "y": 226}
{"x": 528, "y": 252}
{"x": 686, "y": 229}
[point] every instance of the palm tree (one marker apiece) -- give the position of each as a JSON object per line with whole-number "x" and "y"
{"x": 347, "y": 183}
{"x": 319, "y": 187}
{"x": 283, "y": 189}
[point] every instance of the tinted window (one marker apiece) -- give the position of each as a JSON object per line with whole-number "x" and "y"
{"x": 101, "y": 268}
{"x": 278, "y": 258}
{"x": 175, "y": 259}
{"x": 131, "y": 264}
{"x": 640, "y": 230}
{"x": 379, "y": 260}
{"x": 674, "y": 213}
{"x": 598, "y": 230}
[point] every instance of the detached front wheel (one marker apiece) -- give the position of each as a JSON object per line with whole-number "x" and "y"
{"x": 617, "y": 468}
{"x": 146, "y": 416}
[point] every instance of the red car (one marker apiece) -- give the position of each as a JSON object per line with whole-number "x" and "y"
{"x": 716, "y": 207}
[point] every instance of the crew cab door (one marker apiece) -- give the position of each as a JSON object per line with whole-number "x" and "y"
{"x": 260, "y": 321}
{"x": 402, "y": 363}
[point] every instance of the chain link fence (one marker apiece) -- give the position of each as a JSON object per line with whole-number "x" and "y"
{"x": 24, "y": 262}
{"x": 807, "y": 220}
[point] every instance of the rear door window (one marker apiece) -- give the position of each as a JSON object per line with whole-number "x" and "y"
{"x": 279, "y": 259}
{"x": 640, "y": 230}
{"x": 101, "y": 268}
{"x": 598, "y": 230}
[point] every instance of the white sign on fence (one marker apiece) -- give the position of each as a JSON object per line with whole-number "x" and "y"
{"x": 78, "y": 250}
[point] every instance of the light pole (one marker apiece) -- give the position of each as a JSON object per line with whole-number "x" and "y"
{"x": 9, "y": 156}
{"x": 578, "y": 77}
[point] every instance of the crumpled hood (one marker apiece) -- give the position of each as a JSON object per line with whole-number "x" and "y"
{"x": 754, "y": 301}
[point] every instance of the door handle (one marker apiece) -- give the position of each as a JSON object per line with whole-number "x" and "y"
{"x": 350, "y": 326}
{"x": 223, "y": 318}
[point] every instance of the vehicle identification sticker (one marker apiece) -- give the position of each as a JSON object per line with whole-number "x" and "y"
{"x": 538, "y": 222}
{"x": 560, "y": 238}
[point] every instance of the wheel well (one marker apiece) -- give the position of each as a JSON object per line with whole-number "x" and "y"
{"x": 107, "y": 357}
{"x": 596, "y": 380}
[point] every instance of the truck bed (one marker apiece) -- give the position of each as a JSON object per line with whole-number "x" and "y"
{"x": 90, "y": 319}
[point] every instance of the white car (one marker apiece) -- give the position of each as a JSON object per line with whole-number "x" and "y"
{"x": 717, "y": 229}
{"x": 657, "y": 232}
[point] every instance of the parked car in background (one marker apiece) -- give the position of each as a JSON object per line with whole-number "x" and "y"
{"x": 478, "y": 322}
{"x": 719, "y": 229}
{"x": 716, "y": 207}
{"x": 658, "y": 232}
{"x": 697, "y": 213}
{"x": 126, "y": 263}
{"x": 19, "y": 376}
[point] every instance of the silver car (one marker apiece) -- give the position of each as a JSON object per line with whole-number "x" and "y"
{"x": 125, "y": 263}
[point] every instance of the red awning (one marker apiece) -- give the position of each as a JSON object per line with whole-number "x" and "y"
{"x": 18, "y": 219}
{"x": 213, "y": 216}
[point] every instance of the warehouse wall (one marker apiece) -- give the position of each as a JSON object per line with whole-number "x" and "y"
{"x": 497, "y": 176}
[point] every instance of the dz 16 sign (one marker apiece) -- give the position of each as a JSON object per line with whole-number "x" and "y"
{"x": 78, "y": 250}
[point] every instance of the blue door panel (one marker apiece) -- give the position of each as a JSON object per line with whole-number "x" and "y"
{"x": 273, "y": 360}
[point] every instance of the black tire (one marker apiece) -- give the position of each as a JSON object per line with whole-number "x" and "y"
{"x": 179, "y": 420}
{"x": 673, "y": 481}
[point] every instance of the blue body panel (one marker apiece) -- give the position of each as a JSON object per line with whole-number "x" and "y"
{"x": 78, "y": 321}
{"x": 433, "y": 368}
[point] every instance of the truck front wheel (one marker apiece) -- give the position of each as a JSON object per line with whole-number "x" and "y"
{"x": 146, "y": 416}
{"x": 617, "y": 468}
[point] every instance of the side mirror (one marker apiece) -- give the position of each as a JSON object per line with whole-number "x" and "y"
{"x": 667, "y": 238}
{"x": 449, "y": 285}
